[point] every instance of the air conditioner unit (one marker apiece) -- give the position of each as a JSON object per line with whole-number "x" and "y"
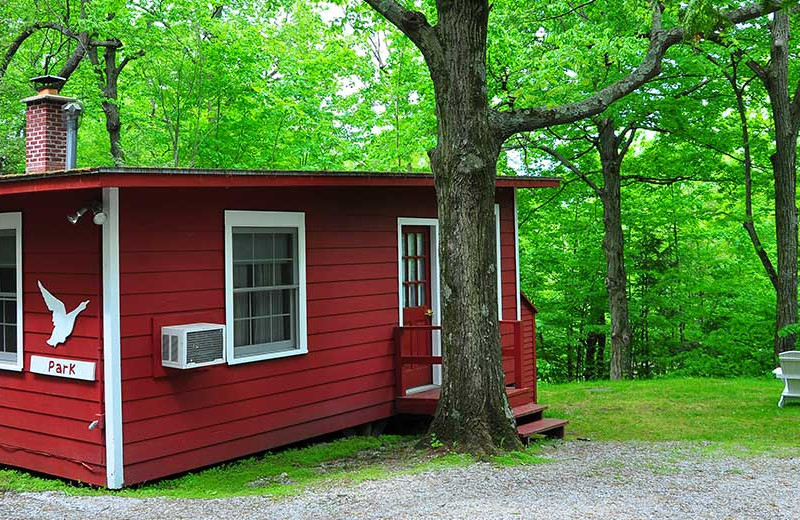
{"x": 192, "y": 345}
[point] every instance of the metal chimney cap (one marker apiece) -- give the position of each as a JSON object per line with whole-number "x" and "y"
{"x": 73, "y": 108}
{"x": 48, "y": 83}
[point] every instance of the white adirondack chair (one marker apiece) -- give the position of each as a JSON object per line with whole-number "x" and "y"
{"x": 789, "y": 371}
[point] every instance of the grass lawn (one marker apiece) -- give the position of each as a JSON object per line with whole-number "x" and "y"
{"x": 284, "y": 472}
{"x": 731, "y": 412}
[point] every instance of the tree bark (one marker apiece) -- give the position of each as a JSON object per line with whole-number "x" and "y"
{"x": 473, "y": 408}
{"x": 786, "y": 118}
{"x": 614, "y": 249}
{"x": 108, "y": 79}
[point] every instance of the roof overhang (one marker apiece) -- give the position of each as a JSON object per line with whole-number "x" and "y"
{"x": 198, "y": 178}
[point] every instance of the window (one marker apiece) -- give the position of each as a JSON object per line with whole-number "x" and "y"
{"x": 11, "y": 291}
{"x": 265, "y": 285}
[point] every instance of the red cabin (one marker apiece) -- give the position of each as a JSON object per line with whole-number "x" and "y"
{"x": 179, "y": 318}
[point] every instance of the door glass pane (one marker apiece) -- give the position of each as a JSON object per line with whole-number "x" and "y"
{"x": 412, "y": 270}
{"x": 421, "y": 294}
{"x": 420, "y": 245}
{"x": 411, "y": 250}
{"x": 421, "y": 270}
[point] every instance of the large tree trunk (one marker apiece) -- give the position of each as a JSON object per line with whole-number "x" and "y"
{"x": 473, "y": 408}
{"x": 614, "y": 247}
{"x": 784, "y": 171}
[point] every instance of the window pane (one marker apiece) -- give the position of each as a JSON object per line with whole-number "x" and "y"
{"x": 241, "y": 305}
{"x": 282, "y": 301}
{"x": 260, "y": 304}
{"x": 264, "y": 246}
{"x": 420, "y": 246}
{"x": 11, "y": 338}
{"x": 242, "y": 246}
{"x": 241, "y": 333}
{"x": 283, "y": 246}
{"x": 421, "y": 275}
{"x": 9, "y": 311}
{"x": 421, "y": 294}
{"x": 8, "y": 247}
{"x": 280, "y": 329}
{"x": 242, "y": 275}
{"x": 284, "y": 273}
{"x": 261, "y": 332}
{"x": 8, "y": 280}
{"x": 263, "y": 275}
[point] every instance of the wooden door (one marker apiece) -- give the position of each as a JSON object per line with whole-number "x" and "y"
{"x": 416, "y": 298}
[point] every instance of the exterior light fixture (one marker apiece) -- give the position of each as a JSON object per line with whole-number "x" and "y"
{"x": 99, "y": 217}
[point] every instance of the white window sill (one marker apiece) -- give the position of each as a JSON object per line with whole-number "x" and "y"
{"x": 264, "y": 357}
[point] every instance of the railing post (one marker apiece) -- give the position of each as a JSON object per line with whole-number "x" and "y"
{"x": 518, "y": 354}
{"x": 398, "y": 362}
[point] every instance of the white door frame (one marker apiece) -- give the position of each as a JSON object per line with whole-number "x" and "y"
{"x": 433, "y": 224}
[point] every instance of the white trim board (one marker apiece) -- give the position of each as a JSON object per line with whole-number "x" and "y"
{"x": 498, "y": 261}
{"x": 435, "y": 282}
{"x": 516, "y": 257}
{"x": 112, "y": 358}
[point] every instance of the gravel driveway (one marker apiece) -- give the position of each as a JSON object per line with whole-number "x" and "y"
{"x": 584, "y": 480}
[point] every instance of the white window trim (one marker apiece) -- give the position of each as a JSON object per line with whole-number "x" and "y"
{"x": 14, "y": 221}
{"x": 498, "y": 262}
{"x": 266, "y": 219}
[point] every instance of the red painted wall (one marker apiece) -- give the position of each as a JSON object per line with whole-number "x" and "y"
{"x": 529, "y": 345}
{"x": 44, "y": 420}
{"x": 172, "y": 268}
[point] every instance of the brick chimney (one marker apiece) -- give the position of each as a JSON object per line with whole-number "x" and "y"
{"x": 46, "y": 127}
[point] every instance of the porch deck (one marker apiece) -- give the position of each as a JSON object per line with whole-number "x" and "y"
{"x": 527, "y": 413}
{"x": 423, "y": 401}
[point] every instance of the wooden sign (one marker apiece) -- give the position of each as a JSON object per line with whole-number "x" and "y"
{"x": 68, "y": 368}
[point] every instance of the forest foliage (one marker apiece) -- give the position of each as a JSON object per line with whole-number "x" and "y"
{"x": 330, "y": 86}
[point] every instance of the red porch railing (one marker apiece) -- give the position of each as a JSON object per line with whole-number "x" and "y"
{"x": 510, "y": 340}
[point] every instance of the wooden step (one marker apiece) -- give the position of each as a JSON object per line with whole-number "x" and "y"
{"x": 553, "y": 428}
{"x": 519, "y": 396}
{"x": 528, "y": 412}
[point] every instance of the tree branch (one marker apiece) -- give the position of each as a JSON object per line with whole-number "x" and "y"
{"x": 570, "y": 166}
{"x": 127, "y": 59}
{"x": 414, "y": 25}
{"x": 510, "y": 122}
{"x": 27, "y": 33}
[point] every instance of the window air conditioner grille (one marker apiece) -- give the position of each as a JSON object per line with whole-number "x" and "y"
{"x": 203, "y": 346}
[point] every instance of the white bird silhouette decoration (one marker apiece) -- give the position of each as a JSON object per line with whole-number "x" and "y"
{"x": 63, "y": 322}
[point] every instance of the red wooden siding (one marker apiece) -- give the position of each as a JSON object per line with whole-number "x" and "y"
{"x": 44, "y": 420}
{"x": 172, "y": 268}
{"x": 508, "y": 274}
{"x": 529, "y": 345}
